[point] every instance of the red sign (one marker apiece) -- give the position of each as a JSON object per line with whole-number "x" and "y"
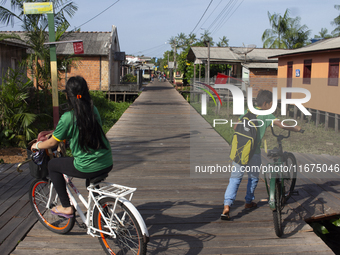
{"x": 78, "y": 48}
{"x": 221, "y": 78}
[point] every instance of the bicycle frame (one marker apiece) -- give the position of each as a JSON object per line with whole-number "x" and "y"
{"x": 115, "y": 191}
{"x": 278, "y": 161}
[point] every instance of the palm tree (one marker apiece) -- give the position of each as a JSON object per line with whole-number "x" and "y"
{"x": 323, "y": 34}
{"x": 223, "y": 42}
{"x": 273, "y": 38}
{"x": 336, "y": 22}
{"x": 205, "y": 37}
{"x": 296, "y": 36}
{"x": 36, "y": 33}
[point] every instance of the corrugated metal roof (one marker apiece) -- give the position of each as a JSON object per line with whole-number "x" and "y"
{"x": 94, "y": 43}
{"x": 232, "y": 54}
{"x": 261, "y": 65}
{"x": 321, "y": 45}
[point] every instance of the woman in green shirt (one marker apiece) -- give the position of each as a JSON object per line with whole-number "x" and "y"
{"x": 91, "y": 150}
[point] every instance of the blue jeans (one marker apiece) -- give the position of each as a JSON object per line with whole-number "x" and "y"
{"x": 236, "y": 178}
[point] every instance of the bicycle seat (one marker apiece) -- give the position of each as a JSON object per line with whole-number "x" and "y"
{"x": 96, "y": 179}
{"x": 274, "y": 153}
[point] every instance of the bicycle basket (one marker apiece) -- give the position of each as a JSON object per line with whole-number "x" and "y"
{"x": 38, "y": 164}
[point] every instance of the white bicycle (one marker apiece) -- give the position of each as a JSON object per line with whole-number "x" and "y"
{"x": 110, "y": 216}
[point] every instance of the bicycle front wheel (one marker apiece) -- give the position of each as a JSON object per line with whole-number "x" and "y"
{"x": 129, "y": 239}
{"x": 277, "y": 212}
{"x": 39, "y": 194}
{"x": 289, "y": 176}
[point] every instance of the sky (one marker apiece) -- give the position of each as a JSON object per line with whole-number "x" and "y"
{"x": 145, "y": 27}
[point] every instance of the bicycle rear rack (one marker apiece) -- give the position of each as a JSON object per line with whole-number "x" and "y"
{"x": 112, "y": 190}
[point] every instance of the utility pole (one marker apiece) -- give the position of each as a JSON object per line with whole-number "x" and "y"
{"x": 175, "y": 53}
{"x": 209, "y": 62}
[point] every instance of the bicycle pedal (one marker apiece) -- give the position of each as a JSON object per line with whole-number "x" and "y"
{"x": 81, "y": 225}
{"x": 295, "y": 193}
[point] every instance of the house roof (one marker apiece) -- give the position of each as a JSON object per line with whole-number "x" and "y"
{"x": 260, "y": 65}
{"x": 14, "y": 42}
{"x": 321, "y": 45}
{"x": 94, "y": 43}
{"x": 233, "y": 54}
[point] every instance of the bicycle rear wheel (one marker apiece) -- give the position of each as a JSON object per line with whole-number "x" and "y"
{"x": 129, "y": 239}
{"x": 289, "y": 177}
{"x": 39, "y": 194}
{"x": 277, "y": 212}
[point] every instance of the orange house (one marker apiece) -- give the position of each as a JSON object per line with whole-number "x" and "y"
{"x": 316, "y": 68}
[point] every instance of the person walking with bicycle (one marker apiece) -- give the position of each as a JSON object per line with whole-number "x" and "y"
{"x": 92, "y": 155}
{"x": 264, "y": 102}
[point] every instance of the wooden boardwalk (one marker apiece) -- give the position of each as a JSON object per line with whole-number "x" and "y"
{"x": 151, "y": 151}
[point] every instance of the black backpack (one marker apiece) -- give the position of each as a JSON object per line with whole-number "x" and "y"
{"x": 244, "y": 139}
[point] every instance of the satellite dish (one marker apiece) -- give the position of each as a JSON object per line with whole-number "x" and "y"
{"x": 243, "y": 50}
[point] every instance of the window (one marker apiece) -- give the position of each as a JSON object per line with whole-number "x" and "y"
{"x": 307, "y": 70}
{"x": 333, "y": 72}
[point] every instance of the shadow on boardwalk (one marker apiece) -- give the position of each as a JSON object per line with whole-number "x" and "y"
{"x": 151, "y": 151}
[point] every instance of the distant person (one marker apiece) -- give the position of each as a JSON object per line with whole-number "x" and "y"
{"x": 264, "y": 102}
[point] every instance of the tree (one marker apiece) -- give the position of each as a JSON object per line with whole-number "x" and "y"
{"x": 296, "y": 36}
{"x": 223, "y": 42}
{"x": 205, "y": 37}
{"x": 273, "y": 38}
{"x": 323, "y": 34}
{"x": 286, "y": 32}
{"x": 336, "y": 22}
{"x": 36, "y": 34}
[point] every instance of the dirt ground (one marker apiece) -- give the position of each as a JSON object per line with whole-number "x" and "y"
{"x": 12, "y": 155}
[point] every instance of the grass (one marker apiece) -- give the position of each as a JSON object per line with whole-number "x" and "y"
{"x": 315, "y": 140}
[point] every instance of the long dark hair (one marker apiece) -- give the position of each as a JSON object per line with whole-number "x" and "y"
{"x": 91, "y": 133}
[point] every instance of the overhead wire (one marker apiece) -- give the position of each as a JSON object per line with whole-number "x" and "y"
{"x": 219, "y": 15}
{"x": 211, "y": 13}
{"x": 96, "y": 15}
{"x": 153, "y": 48}
{"x": 202, "y": 16}
{"x": 227, "y": 16}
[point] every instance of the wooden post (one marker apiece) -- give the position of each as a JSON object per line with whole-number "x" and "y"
{"x": 326, "y": 121}
{"x": 309, "y": 117}
{"x": 295, "y": 112}
{"x": 336, "y": 121}
{"x": 124, "y": 97}
{"x": 317, "y": 118}
{"x": 301, "y": 116}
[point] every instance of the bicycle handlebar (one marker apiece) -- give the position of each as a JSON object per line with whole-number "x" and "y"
{"x": 282, "y": 136}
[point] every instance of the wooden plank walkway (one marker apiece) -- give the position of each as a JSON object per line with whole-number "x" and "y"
{"x": 16, "y": 217}
{"x": 151, "y": 151}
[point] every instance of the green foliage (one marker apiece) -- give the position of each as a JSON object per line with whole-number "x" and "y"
{"x": 129, "y": 78}
{"x": 15, "y": 118}
{"x": 109, "y": 111}
{"x": 286, "y": 32}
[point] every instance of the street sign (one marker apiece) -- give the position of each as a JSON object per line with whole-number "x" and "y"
{"x": 38, "y": 8}
{"x": 78, "y": 48}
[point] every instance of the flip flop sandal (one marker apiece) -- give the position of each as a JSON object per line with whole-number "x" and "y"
{"x": 225, "y": 216}
{"x": 61, "y": 214}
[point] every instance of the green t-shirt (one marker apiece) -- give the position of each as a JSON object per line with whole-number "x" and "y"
{"x": 267, "y": 121}
{"x": 86, "y": 162}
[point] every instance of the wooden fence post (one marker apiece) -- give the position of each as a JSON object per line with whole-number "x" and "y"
{"x": 295, "y": 112}
{"x": 317, "y": 118}
{"x": 336, "y": 121}
{"x": 326, "y": 121}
